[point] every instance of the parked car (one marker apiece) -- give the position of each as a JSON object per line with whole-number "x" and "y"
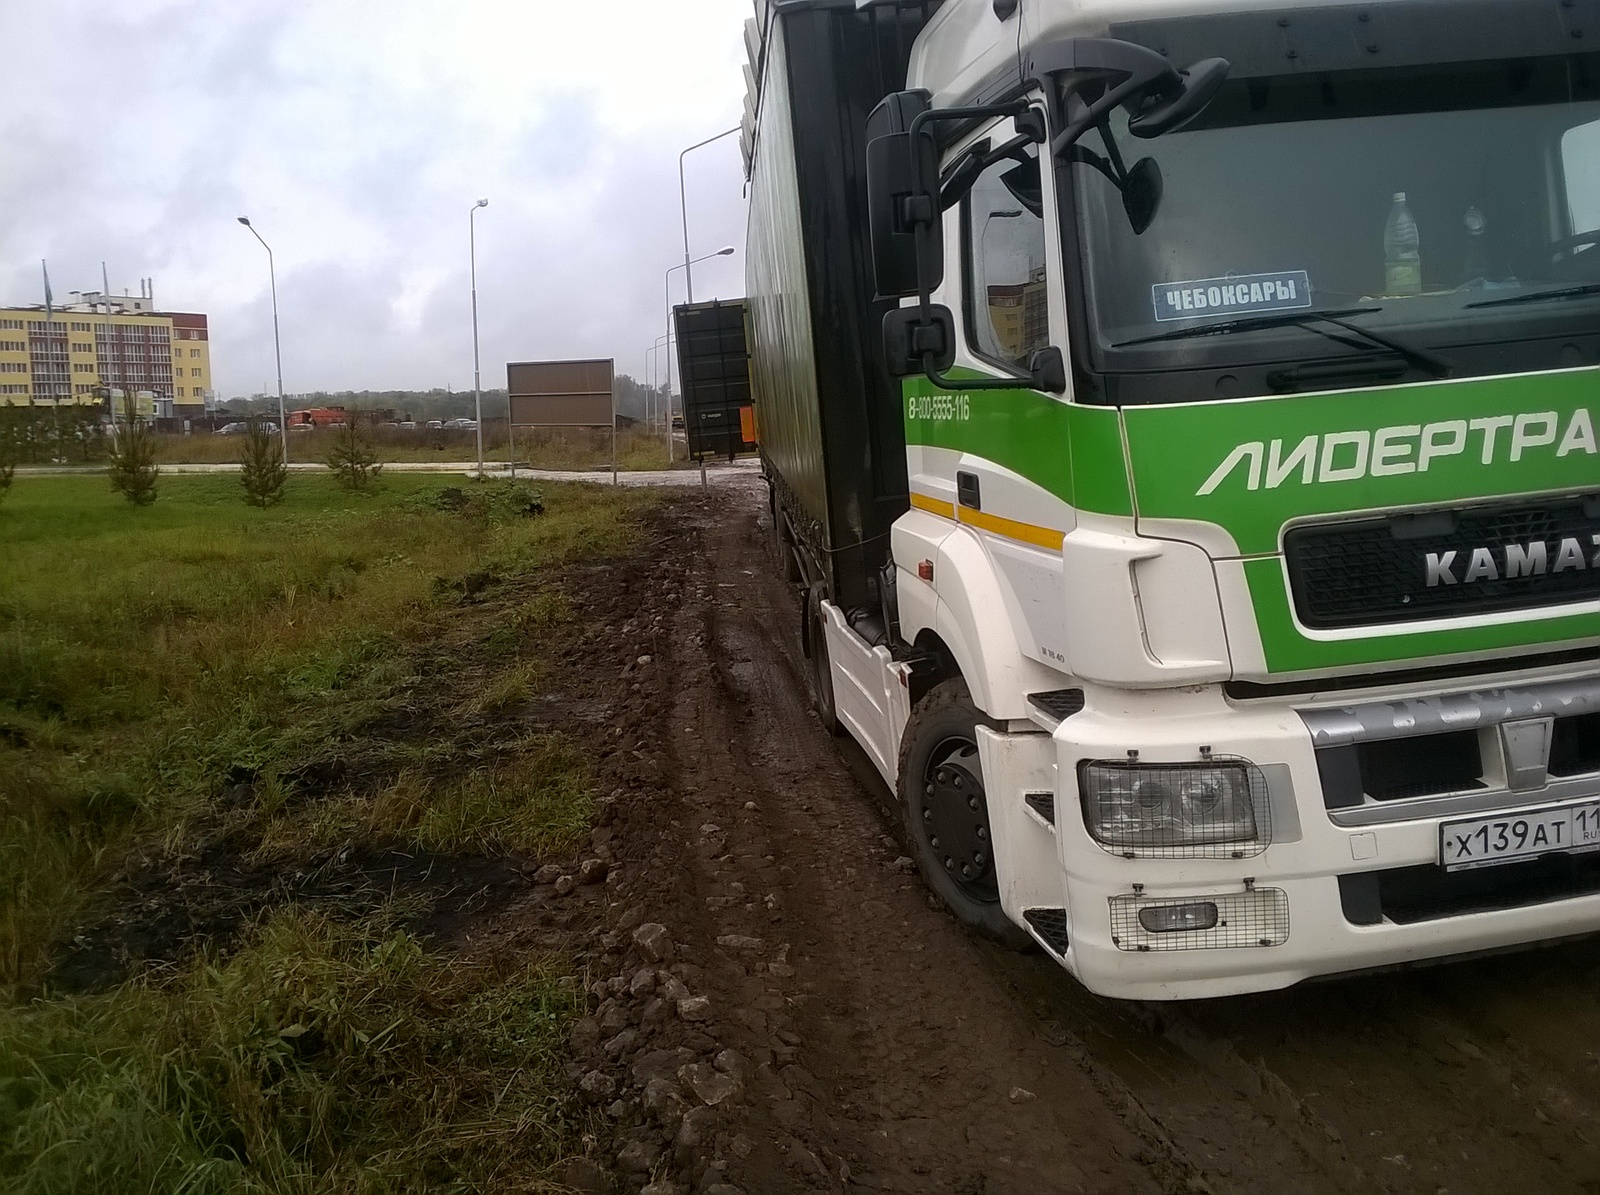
{"x": 409, "y": 425}
{"x": 233, "y": 429}
{"x": 435, "y": 425}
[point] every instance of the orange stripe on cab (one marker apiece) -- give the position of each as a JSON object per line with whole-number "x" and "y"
{"x": 1025, "y": 533}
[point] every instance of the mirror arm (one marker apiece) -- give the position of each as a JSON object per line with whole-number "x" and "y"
{"x": 952, "y": 195}
{"x": 946, "y": 115}
{"x": 1087, "y": 157}
{"x": 930, "y": 367}
{"x": 1098, "y": 111}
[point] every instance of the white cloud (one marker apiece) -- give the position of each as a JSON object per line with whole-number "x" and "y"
{"x": 356, "y": 136}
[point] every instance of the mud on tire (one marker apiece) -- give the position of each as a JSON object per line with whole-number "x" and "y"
{"x": 946, "y": 812}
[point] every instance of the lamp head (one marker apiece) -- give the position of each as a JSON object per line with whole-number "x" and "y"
{"x": 245, "y": 220}
{"x": 725, "y": 250}
{"x": 482, "y": 203}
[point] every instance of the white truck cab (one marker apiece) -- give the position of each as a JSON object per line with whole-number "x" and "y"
{"x": 1236, "y": 617}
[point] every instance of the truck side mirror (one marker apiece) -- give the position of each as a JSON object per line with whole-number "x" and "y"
{"x": 1047, "y": 370}
{"x": 1161, "y": 113}
{"x": 903, "y": 198}
{"x": 908, "y": 339}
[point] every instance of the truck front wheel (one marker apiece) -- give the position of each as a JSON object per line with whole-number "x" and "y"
{"x": 947, "y": 813}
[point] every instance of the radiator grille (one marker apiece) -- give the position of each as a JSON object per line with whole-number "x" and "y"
{"x": 1374, "y": 571}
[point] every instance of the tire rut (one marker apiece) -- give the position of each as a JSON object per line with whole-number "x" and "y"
{"x": 888, "y": 1049}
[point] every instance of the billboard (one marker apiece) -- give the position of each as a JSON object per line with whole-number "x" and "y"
{"x": 562, "y": 394}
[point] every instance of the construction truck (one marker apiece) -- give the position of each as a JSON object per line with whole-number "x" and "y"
{"x": 1180, "y": 418}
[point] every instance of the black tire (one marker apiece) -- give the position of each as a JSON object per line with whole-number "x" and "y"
{"x": 947, "y": 814}
{"x": 821, "y": 668}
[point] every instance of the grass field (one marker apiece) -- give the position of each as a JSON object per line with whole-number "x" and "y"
{"x": 201, "y": 680}
{"x": 566, "y": 449}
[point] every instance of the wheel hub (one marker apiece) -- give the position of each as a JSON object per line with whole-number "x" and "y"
{"x": 955, "y": 818}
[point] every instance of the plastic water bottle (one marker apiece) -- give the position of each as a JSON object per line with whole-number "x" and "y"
{"x": 1402, "y": 250}
{"x": 1476, "y": 269}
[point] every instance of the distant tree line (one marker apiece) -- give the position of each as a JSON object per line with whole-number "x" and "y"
{"x": 422, "y": 405}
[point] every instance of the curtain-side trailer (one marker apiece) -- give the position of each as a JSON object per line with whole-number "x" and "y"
{"x": 1181, "y": 424}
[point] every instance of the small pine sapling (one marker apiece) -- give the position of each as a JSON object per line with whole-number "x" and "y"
{"x": 8, "y": 456}
{"x": 262, "y": 471}
{"x": 352, "y": 458}
{"x": 133, "y": 470}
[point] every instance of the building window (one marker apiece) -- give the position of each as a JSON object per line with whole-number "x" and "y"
{"x": 194, "y": 373}
{"x": 13, "y": 367}
{"x": 13, "y": 346}
{"x": 80, "y": 327}
{"x": 194, "y": 352}
{"x": 11, "y": 325}
{"x": 180, "y": 391}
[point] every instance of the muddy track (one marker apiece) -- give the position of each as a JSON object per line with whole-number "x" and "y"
{"x": 873, "y": 1044}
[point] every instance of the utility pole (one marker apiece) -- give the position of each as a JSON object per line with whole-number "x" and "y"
{"x": 277, "y": 347}
{"x": 477, "y": 390}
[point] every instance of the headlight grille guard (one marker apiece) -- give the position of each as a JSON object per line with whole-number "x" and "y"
{"x": 1216, "y": 807}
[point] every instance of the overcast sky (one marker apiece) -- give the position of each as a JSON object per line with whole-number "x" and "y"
{"x": 356, "y": 136}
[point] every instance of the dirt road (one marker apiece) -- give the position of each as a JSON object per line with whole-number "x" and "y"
{"x": 771, "y": 962}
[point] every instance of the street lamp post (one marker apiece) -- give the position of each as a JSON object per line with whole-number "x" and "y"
{"x": 277, "y": 346}
{"x": 653, "y": 368}
{"x": 683, "y": 206}
{"x": 722, "y": 252}
{"x": 477, "y": 390}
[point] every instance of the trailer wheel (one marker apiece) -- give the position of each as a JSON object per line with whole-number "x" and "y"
{"x": 821, "y": 668}
{"x": 947, "y": 813}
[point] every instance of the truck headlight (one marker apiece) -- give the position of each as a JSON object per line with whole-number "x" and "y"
{"x": 1204, "y": 810}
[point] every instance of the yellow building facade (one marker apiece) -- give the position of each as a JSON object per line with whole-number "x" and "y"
{"x": 84, "y": 349}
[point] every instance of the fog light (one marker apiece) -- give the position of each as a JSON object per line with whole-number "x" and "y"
{"x": 1172, "y": 919}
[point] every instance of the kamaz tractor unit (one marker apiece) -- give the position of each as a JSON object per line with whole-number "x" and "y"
{"x": 1181, "y": 424}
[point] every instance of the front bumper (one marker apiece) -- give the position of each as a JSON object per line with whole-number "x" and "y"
{"x": 1284, "y": 916}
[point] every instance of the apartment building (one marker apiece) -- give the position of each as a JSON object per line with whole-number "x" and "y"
{"x": 77, "y": 351}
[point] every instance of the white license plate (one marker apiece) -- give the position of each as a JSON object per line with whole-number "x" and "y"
{"x": 1508, "y": 837}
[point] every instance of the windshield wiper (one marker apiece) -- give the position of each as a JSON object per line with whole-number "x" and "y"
{"x": 1539, "y": 296}
{"x": 1420, "y": 357}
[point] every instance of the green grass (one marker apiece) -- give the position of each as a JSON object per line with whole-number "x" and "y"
{"x": 321, "y": 1058}
{"x": 151, "y": 661}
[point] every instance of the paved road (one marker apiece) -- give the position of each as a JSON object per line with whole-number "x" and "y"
{"x": 718, "y": 473}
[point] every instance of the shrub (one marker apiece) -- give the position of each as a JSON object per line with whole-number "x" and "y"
{"x": 262, "y": 471}
{"x": 133, "y": 468}
{"x": 8, "y": 458}
{"x": 352, "y": 458}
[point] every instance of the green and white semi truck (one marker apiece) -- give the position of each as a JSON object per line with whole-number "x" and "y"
{"x": 1181, "y": 418}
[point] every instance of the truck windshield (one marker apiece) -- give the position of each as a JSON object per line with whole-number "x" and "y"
{"x": 1422, "y": 196}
